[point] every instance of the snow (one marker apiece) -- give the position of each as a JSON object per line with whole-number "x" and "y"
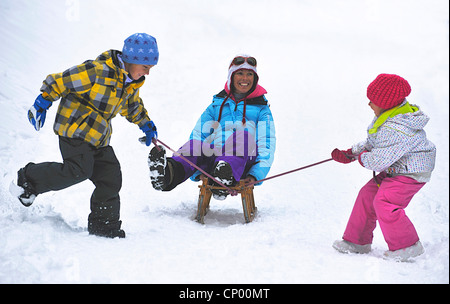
{"x": 315, "y": 58}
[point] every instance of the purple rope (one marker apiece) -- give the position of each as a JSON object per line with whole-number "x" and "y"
{"x": 288, "y": 172}
{"x": 234, "y": 192}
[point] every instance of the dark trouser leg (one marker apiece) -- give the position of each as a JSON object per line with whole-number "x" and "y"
{"x": 83, "y": 161}
{"x": 192, "y": 150}
{"x": 240, "y": 151}
{"x": 105, "y": 200}
{"x": 78, "y": 162}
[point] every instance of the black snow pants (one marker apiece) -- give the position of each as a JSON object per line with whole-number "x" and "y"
{"x": 83, "y": 161}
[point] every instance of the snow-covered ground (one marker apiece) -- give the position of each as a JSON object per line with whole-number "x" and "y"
{"x": 315, "y": 58}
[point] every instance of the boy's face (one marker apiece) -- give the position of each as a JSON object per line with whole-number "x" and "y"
{"x": 136, "y": 71}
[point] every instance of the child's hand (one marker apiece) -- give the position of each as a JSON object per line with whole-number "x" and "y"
{"x": 150, "y": 132}
{"x": 38, "y": 111}
{"x": 342, "y": 156}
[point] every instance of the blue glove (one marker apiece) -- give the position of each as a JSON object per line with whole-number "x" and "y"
{"x": 37, "y": 112}
{"x": 150, "y": 132}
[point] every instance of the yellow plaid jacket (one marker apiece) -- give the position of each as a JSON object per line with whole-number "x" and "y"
{"x": 92, "y": 93}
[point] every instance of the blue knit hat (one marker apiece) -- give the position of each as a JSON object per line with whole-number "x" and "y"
{"x": 140, "y": 48}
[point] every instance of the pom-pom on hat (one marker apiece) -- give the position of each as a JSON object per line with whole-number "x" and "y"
{"x": 388, "y": 91}
{"x": 140, "y": 48}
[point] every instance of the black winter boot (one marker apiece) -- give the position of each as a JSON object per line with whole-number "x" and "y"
{"x": 159, "y": 173}
{"x": 224, "y": 174}
{"x": 28, "y": 195}
{"x": 110, "y": 234}
{"x": 105, "y": 230}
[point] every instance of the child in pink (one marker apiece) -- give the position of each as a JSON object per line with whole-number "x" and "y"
{"x": 398, "y": 148}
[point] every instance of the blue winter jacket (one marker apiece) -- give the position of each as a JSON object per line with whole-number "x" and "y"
{"x": 258, "y": 122}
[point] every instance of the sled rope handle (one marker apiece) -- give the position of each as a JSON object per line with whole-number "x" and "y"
{"x": 234, "y": 192}
{"x": 288, "y": 172}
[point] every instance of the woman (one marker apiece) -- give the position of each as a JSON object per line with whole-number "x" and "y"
{"x": 234, "y": 138}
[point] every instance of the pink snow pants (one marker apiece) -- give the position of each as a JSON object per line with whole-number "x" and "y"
{"x": 386, "y": 204}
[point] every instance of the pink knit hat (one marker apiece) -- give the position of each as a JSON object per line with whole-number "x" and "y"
{"x": 388, "y": 90}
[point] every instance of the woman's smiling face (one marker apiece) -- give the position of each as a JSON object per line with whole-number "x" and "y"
{"x": 243, "y": 81}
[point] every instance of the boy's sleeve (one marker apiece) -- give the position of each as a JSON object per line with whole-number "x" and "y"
{"x": 78, "y": 79}
{"x": 134, "y": 110}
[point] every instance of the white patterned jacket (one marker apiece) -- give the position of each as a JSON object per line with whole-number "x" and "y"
{"x": 399, "y": 147}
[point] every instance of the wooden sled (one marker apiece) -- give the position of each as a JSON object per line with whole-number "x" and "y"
{"x": 248, "y": 201}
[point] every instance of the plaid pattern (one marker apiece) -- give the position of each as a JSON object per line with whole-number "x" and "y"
{"x": 91, "y": 95}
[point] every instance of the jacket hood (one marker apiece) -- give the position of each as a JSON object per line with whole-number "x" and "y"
{"x": 414, "y": 121}
{"x": 112, "y": 59}
{"x": 410, "y": 123}
{"x": 244, "y": 66}
{"x": 257, "y": 91}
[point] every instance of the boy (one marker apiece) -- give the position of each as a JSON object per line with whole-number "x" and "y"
{"x": 91, "y": 94}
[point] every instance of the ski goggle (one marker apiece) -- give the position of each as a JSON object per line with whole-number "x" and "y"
{"x": 241, "y": 60}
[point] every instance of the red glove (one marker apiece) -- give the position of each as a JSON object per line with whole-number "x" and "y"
{"x": 342, "y": 156}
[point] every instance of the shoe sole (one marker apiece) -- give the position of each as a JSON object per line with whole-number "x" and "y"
{"x": 157, "y": 163}
{"x": 18, "y": 192}
{"x": 224, "y": 174}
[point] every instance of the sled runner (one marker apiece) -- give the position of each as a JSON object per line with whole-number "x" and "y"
{"x": 248, "y": 201}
